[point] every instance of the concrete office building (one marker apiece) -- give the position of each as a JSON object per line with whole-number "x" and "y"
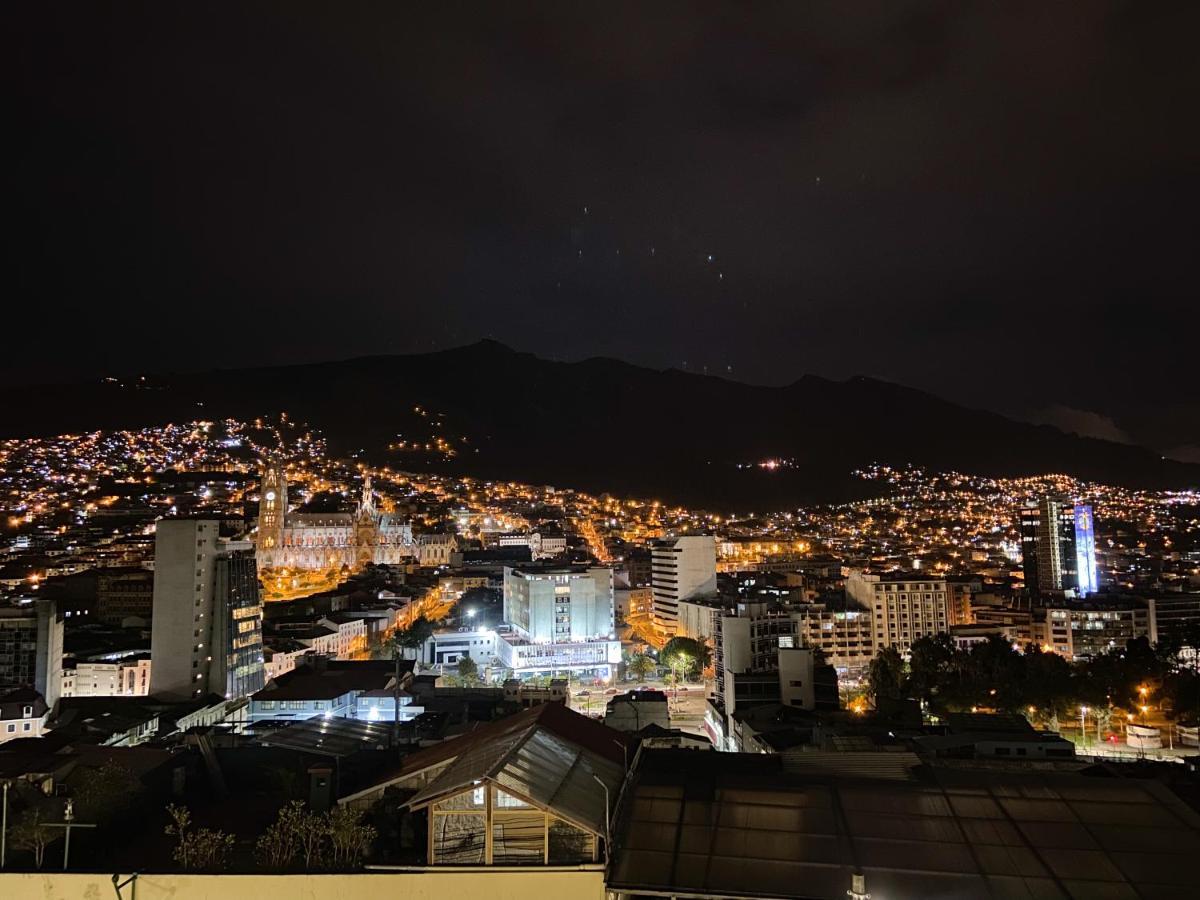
{"x": 1177, "y": 620}
{"x": 560, "y": 604}
{"x": 31, "y": 649}
{"x": 446, "y": 648}
{"x": 1081, "y": 630}
{"x": 541, "y": 546}
{"x": 206, "y": 637}
{"x": 697, "y": 618}
{"x": 682, "y": 568}
{"x": 558, "y": 619}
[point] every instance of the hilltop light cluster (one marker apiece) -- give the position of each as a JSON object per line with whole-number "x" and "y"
{"x": 81, "y": 492}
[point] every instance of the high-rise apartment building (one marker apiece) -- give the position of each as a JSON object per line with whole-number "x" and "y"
{"x": 206, "y": 635}
{"x": 31, "y": 649}
{"x": 904, "y": 607}
{"x": 1058, "y": 546}
{"x": 682, "y": 568}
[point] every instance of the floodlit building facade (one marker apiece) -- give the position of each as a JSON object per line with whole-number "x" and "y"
{"x": 558, "y": 619}
{"x": 327, "y": 540}
{"x": 118, "y": 678}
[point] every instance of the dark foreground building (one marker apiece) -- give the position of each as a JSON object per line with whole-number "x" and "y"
{"x": 716, "y": 825}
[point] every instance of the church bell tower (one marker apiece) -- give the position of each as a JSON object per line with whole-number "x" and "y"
{"x": 272, "y": 505}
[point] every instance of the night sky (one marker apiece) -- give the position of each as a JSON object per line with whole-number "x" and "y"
{"x": 996, "y": 202}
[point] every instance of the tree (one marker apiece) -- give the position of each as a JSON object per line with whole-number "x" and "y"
{"x": 994, "y": 674}
{"x": 1047, "y": 691}
{"x": 886, "y": 674}
{"x": 196, "y": 849}
{"x": 934, "y": 661}
{"x": 337, "y": 839}
{"x": 349, "y": 839}
{"x": 680, "y": 663}
{"x": 311, "y": 831}
{"x": 1117, "y": 674}
{"x": 640, "y": 665}
{"x": 480, "y": 607}
{"x": 103, "y": 794}
{"x": 413, "y": 637}
{"x": 468, "y": 671}
{"x": 696, "y": 652}
{"x": 33, "y": 836}
{"x": 277, "y": 847}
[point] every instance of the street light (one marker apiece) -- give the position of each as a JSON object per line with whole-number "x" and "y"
{"x": 1083, "y": 711}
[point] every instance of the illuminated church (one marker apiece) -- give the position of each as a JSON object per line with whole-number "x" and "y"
{"x": 321, "y": 541}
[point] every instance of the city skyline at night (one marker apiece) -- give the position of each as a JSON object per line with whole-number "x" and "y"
{"x": 605, "y": 451}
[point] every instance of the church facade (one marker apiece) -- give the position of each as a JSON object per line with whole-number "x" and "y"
{"x": 323, "y": 541}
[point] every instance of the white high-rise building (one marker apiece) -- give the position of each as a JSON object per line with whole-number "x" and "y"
{"x": 558, "y": 619}
{"x": 206, "y": 635}
{"x": 682, "y": 568}
{"x": 560, "y": 604}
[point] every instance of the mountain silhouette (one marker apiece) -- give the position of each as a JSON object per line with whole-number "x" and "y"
{"x": 605, "y": 425}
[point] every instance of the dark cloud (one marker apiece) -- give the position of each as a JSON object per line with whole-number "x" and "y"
{"x": 992, "y": 202}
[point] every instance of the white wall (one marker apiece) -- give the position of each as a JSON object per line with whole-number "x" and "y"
{"x": 533, "y": 883}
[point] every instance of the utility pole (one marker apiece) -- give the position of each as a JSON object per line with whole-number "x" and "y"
{"x": 396, "y": 698}
{"x": 4, "y": 827}
{"x": 67, "y": 824}
{"x": 607, "y": 818}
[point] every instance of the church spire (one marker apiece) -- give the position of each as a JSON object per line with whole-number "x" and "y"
{"x": 367, "y": 507}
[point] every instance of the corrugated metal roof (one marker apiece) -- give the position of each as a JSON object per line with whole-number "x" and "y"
{"x": 579, "y": 729}
{"x": 691, "y": 824}
{"x": 540, "y": 766}
{"x": 869, "y": 764}
{"x": 328, "y": 737}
